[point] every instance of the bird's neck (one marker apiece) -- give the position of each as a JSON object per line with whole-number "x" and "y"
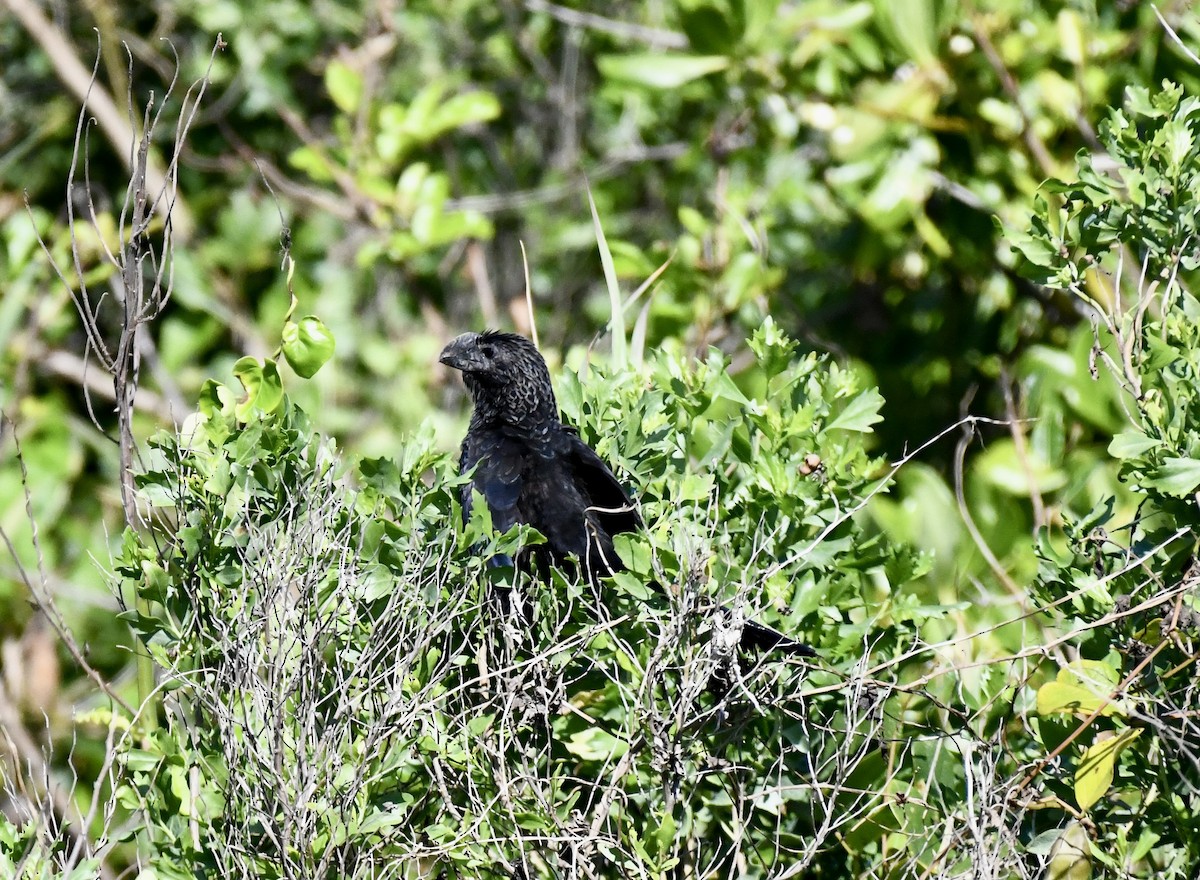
{"x": 513, "y": 409}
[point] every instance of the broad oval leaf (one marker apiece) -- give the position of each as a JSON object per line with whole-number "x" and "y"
{"x": 1127, "y": 444}
{"x": 464, "y": 109}
{"x": 595, "y": 744}
{"x": 1080, "y": 689}
{"x": 307, "y": 345}
{"x": 1059, "y": 698}
{"x": 1019, "y": 474}
{"x": 1094, "y": 773}
{"x": 1070, "y": 854}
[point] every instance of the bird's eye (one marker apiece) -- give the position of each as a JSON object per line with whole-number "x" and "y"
{"x": 488, "y": 351}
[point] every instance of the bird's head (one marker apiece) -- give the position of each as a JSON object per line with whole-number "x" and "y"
{"x": 504, "y": 372}
{"x": 477, "y": 353}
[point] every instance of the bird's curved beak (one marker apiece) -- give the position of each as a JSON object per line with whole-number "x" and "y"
{"x": 460, "y": 354}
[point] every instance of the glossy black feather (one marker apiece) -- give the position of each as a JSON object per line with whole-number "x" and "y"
{"x": 531, "y": 468}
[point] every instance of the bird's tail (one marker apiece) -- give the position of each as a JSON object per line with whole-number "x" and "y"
{"x": 760, "y": 637}
{"x": 764, "y": 638}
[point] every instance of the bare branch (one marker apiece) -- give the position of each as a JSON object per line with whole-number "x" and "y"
{"x": 82, "y": 84}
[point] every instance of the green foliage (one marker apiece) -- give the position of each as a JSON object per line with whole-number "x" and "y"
{"x": 25, "y": 848}
{"x": 307, "y": 345}
{"x": 1125, "y": 579}
{"x": 834, "y": 165}
{"x": 829, "y": 169}
{"x": 1146, "y": 202}
{"x": 332, "y": 647}
{"x": 692, "y": 440}
{"x": 276, "y": 568}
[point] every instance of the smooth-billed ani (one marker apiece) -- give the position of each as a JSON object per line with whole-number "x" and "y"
{"x": 531, "y": 468}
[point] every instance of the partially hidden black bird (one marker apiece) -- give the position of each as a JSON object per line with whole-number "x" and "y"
{"x": 530, "y": 468}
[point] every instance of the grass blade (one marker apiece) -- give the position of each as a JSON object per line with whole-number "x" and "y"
{"x": 616, "y": 324}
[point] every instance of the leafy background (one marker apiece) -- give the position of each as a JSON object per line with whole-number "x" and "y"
{"x": 861, "y": 174}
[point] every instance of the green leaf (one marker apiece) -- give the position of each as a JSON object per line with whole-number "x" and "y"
{"x": 1130, "y": 443}
{"x": 177, "y": 779}
{"x": 633, "y": 585}
{"x": 1070, "y": 854}
{"x": 708, "y": 30}
{"x": 1176, "y": 476}
{"x": 773, "y": 349}
{"x": 725, "y": 387}
{"x": 912, "y": 27}
{"x": 1055, "y": 697}
{"x": 1180, "y": 141}
{"x": 164, "y": 870}
{"x": 660, "y": 71}
{"x": 264, "y": 388}
{"x": 1072, "y": 43}
{"x": 103, "y": 717}
{"x": 1144, "y": 844}
{"x": 216, "y": 400}
{"x": 634, "y": 552}
{"x": 378, "y": 820}
{"x": 1041, "y": 844}
{"x": 1035, "y": 248}
{"x": 1018, "y": 474}
{"x": 307, "y": 345}
{"x": 1094, "y": 773}
{"x": 595, "y": 744}
{"x": 696, "y": 487}
{"x": 860, "y": 413}
{"x": 145, "y": 625}
{"x": 312, "y": 162}
{"x": 1080, "y": 689}
{"x": 465, "y": 109}
{"x": 155, "y": 583}
{"x": 665, "y": 835}
{"x": 345, "y": 86}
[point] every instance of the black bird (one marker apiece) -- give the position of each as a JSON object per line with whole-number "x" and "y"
{"x": 531, "y": 468}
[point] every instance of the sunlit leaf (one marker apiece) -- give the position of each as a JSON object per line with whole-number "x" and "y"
{"x": 1094, "y": 772}
{"x": 1080, "y": 688}
{"x": 1130, "y": 443}
{"x": 465, "y": 109}
{"x": 1018, "y": 473}
{"x": 860, "y": 414}
{"x": 1070, "y": 854}
{"x": 660, "y": 71}
{"x": 616, "y": 307}
{"x": 307, "y": 345}
{"x": 911, "y": 25}
{"x": 1071, "y": 35}
{"x": 264, "y": 388}
{"x": 345, "y": 86}
{"x": 595, "y": 744}
{"x": 1176, "y": 476}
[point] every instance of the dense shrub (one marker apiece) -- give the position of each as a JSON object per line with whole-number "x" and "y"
{"x": 344, "y": 692}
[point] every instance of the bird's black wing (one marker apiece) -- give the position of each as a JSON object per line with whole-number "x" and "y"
{"x": 760, "y": 636}
{"x": 499, "y": 465}
{"x": 614, "y": 512}
{"x": 611, "y": 506}
{"x": 575, "y": 501}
